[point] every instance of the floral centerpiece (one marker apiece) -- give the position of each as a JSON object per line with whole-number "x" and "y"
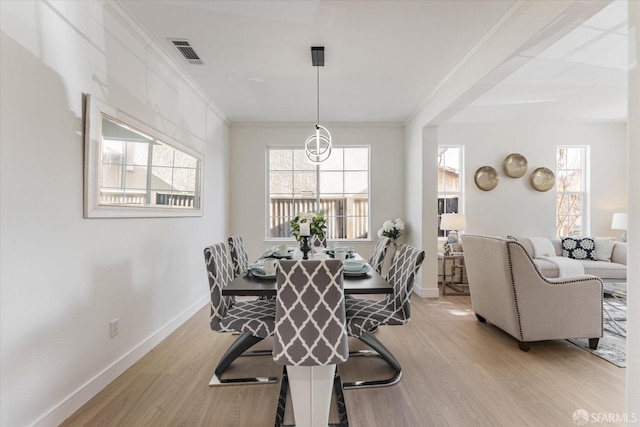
{"x": 392, "y": 229}
{"x": 317, "y": 224}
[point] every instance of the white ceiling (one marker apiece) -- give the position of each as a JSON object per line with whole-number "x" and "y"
{"x": 581, "y": 77}
{"x": 382, "y": 59}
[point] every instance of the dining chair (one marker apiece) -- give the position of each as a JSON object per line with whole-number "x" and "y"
{"x": 239, "y": 255}
{"x": 255, "y": 320}
{"x": 318, "y": 241}
{"x": 364, "y": 316}
{"x": 310, "y": 338}
{"x": 376, "y": 260}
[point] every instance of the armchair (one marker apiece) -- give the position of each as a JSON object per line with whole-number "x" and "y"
{"x": 508, "y": 290}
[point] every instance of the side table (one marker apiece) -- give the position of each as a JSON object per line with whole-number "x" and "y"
{"x": 454, "y": 274}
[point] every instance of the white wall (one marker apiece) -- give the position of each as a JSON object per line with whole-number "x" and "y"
{"x": 63, "y": 277}
{"x": 514, "y": 207}
{"x": 248, "y": 142}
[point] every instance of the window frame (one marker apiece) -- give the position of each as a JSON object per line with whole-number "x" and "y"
{"x": 585, "y": 162}
{"x": 447, "y": 194}
{"x": 94, "y": 110}
{"x": 318, "y": 170}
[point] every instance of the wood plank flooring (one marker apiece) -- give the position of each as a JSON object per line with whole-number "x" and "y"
{"x": 457, "y": 372}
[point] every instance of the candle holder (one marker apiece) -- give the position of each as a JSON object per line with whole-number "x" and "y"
{"x": 304, "y": 247}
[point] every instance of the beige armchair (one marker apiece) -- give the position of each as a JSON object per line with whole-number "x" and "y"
{"x": 508, "y": 291}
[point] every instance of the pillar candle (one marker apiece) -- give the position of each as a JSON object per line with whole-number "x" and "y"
{"x": 304, "y": 229}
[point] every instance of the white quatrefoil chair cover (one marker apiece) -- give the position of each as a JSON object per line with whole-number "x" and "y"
{"x": 310, "y": 336}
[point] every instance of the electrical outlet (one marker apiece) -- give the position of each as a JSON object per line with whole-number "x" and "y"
{"x": 114, "y": 327}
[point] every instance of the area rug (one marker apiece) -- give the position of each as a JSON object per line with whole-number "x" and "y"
{"x": 613, "y": 345}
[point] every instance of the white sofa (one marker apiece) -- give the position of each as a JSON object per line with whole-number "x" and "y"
{"x": 613, "y": 271}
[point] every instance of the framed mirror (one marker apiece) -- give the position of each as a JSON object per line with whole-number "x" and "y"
{"x": 130, "y": 171}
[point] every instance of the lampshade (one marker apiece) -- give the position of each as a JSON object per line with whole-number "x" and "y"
{"x": 619, "y": 221}
{"x": 453, "y": 221}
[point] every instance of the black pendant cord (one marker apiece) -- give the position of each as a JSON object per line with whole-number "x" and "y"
{"x": 318, "y": 94}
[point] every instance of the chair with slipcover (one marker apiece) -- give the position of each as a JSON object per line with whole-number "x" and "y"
{"x": 376, "y": 260}
{"x": 310, "y": 338}
{"x": 255, "y": 320}
{"x": 364, "y": 316}
{"x": 239, "y": 255}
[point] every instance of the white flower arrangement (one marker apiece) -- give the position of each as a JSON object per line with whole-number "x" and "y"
{"x": 391, "y": 229}
{"x": 317, "y": 223}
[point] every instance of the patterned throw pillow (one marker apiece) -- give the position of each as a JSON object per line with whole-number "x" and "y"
{"x": 579, "y": 248}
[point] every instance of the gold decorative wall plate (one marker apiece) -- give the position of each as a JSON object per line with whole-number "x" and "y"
{"x": 515, "y": 165}
{"x": 486, "y": 178}
{"x": 543, "y": 179}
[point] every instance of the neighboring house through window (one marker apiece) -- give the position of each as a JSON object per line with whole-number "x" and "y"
{"x": 338, "y": 187}
{"x": 572, "y": 196}
{"x": 450, "y": 180}
{"x": 140, "y": 170}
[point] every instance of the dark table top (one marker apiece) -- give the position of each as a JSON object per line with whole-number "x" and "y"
{"x": 248, "y": 285}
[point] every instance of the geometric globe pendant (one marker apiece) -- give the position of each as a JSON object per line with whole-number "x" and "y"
{"x": 318, "y": 146}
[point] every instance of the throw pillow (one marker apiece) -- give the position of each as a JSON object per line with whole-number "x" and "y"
{"x": 604, "y": 248}
{"x": 542, "y": 246}
{"x": 578, "y": 248}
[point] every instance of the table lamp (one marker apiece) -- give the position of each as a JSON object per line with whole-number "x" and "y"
{"x": 453, "y": 222}
{"x": 619, "y": 222}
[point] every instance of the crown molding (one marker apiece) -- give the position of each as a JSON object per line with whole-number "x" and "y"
{"x": 120, "y": 13}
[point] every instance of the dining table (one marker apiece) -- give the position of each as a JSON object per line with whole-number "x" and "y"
{"x": 248, "y": 284}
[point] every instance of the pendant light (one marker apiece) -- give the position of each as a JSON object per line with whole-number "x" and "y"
{"x": 318, "y": 145}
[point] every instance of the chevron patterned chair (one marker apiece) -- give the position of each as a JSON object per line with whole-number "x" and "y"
{"x": 364, "y": 316}
{"x": 255, "y": 320}
{"x": 310, "y": 338}
{"x": 376, "y": 260}
{"x": 239, "y": 255}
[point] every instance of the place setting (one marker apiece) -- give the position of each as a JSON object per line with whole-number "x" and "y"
{"x": 264, "y": 268}
{"x": 353, "y": 267}
{"x": 341, "y": 252}
{"x": 283, "y": 251}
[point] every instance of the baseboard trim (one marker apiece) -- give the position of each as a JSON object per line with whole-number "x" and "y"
{"x": 427, "y": 293}
{"x": 86, "y": 392}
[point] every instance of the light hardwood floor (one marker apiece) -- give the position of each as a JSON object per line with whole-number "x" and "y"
{"x": 457, "y": 372}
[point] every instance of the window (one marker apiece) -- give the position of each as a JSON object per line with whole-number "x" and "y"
{"x": 450, "y": 179}
{"x": 571, "y": 190}
{"x": 338, "y": 187}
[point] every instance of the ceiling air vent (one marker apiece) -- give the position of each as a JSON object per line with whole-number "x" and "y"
{"x": 187, "y": 51}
